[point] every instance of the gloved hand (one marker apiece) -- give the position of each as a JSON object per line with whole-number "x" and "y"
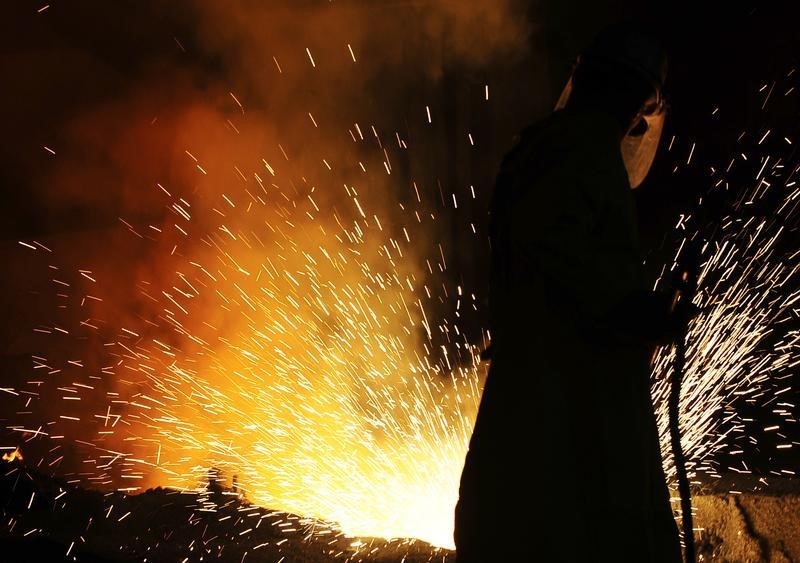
{"x": 649, "y": 317}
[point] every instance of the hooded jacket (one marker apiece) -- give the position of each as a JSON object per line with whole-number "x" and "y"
{"x": 564, "y": 461}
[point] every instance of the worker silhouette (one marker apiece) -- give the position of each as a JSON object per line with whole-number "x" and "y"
{"x": 564, "y": 462}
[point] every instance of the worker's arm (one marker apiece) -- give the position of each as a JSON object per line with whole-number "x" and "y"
{"x": 554, "y": 224}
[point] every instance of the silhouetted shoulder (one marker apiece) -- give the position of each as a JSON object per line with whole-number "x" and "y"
{"x": 564, "y": 142}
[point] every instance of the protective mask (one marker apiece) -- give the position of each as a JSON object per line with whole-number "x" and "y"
{"x": 640, "y": 144}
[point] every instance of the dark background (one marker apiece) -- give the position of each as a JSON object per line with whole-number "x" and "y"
{"x": 721, "y": 54}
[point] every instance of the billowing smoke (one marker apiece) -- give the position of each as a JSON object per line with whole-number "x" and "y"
{"x": 227, "y": 236}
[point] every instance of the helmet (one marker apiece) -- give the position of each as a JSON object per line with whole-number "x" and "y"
{"x": 625, "y": 50}
{"x": 627, "y": 45}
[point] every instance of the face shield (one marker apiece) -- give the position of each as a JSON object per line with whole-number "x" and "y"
{"x": 640, "y": 143}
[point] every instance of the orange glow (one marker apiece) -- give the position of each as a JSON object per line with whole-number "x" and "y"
{"x": 16, "y": 455}
{"x": 273, "y": 326}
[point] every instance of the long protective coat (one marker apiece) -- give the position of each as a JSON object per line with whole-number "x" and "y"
{"x": 564, "y": 462}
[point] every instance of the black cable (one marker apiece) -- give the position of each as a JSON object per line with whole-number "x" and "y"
{"x": 687, "y": 285}
{"x": 677, "y": 451}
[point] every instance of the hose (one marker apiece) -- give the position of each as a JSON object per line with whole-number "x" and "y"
{"x": 687, "y": 285}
